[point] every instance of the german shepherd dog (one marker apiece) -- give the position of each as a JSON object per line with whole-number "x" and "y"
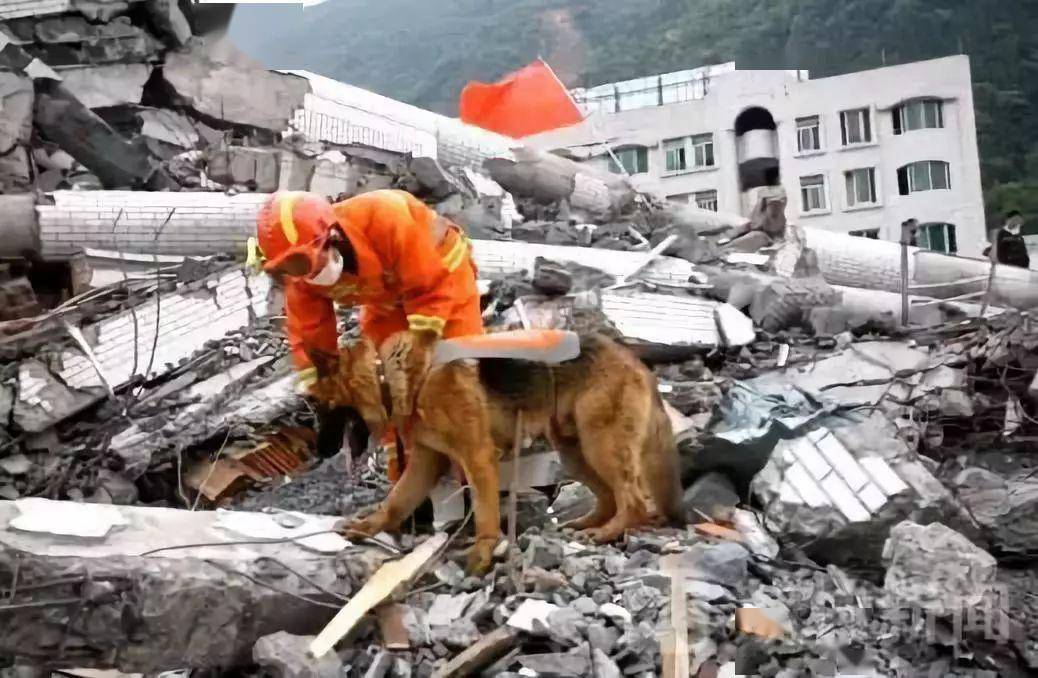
{"x": 601, "y": 411}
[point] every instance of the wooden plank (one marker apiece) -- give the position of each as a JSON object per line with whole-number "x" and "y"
{"x": 381, "y": 585}
{"x": 486, "y": 651}
{"x": 674, "y": 645}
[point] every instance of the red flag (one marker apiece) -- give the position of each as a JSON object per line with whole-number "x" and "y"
{"x": 528, "y": 101}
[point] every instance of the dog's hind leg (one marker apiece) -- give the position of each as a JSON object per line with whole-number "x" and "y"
{"x": 573, "y": 461}
{"x": 612, "y": 433}
{"x": 424, "y": 467}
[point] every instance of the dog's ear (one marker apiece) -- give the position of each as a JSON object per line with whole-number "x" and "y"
{"x": 325, "y": 363}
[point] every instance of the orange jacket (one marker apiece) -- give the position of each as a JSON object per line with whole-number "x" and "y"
{"x": 406, "y": 258}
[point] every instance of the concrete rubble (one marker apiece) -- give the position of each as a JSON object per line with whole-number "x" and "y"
{"x": 857, "y": 488}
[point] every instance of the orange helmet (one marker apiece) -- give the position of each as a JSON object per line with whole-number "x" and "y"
{"x": 294, "y": 224}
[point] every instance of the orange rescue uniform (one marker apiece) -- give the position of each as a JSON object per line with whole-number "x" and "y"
{"x": 414, "y": 271}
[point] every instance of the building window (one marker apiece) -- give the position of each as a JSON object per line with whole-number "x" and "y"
{"x": 635, "y": 160}
{"x": 937, "y": 237}
{"x": 809, "y": 134}
{"x": 683, "y": 198}
{"x": 870, "y": 233}
{"x": 707, "y": 200}
{"x": 812, "y": 193}
{"x": 861, "y": 187}
{"x": 703, "y": 150}
{"x": 676, "y": 155}
{"x": 922, "y": 114}
{"x": 856, "y": 126}
{"x": 928, "y": 175}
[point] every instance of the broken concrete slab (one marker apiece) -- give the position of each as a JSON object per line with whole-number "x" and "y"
{"x": 225, "y": 85}
{"x": 1004, "y": 505}
{"x": 16, "y": 101}
{"x": 106, "y": 85}
{"x": 168, "y": 127}
{"x": 255, "y": 168}
{"x": 185, "y": 606}
{"x": 45, "y": 399}
{"x": 936, "y": 568}
{"x": 847, "y": 485}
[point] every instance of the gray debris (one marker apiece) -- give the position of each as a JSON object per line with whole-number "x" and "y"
{"x": 15, "y": 465}
{"x": 1005, "y": 506}
{"x": 585, "y": 606}
{"x": 723, "y": 563}
{"x": 602, "y": 637}
{"x": 287, "y": 656}
{"x": 542, "y": 553}
{"x": 566, "y": 626}
{"x": 603, "y": 666}
{"x": 936, "y": 568}
{"x": 640, "y": 598}
{"x": 557, "y": 665}
{"x": 573, "y": 501}
{"x": 459, "y": 635}
{"x": 712, "y": 496}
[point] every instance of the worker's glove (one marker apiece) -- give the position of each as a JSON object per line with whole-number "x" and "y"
{"x": 406, "y": 357}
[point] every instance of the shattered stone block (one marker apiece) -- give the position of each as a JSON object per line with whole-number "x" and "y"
{"x": 44, "y": 399}
{"x": 287, "y": 656}
{"x": 936, "y": 568}
{"x": 840, "y": 490}
{"x": 786, "y": 301}
{"x": 1006, "y": 506}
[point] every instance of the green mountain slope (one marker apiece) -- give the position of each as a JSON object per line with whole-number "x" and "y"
{"x": 423, "y": 51}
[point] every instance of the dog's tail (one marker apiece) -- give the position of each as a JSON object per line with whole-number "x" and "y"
{"x": 662, "y": 467}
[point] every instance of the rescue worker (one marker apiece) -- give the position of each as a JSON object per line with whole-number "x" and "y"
{"x": 408, "y": 269}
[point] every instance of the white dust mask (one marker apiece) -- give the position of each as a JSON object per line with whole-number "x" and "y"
{"x": 329, "y": 275}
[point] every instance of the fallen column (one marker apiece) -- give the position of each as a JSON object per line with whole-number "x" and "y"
{"x": 91, "y": 588}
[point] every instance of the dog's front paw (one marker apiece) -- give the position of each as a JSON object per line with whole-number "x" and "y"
{"x": 481, "y": 557}
{"x": 365, "y": 527}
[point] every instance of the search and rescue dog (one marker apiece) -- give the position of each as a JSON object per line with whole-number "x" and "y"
{"x": 601, "y": 411}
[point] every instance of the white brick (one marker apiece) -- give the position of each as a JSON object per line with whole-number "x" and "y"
{"x": 883, "y": 475}
{"x": 872, "y": 497}
{"x": 844, "y": 499}
{"x": 799, "y": 478}
{"x": 837, "y": 455}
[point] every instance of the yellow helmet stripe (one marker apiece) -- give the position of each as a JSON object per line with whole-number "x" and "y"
{"x": 288, "y": 224}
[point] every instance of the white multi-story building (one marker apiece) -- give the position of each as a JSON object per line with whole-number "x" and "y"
{"x": 857, "y": 153}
